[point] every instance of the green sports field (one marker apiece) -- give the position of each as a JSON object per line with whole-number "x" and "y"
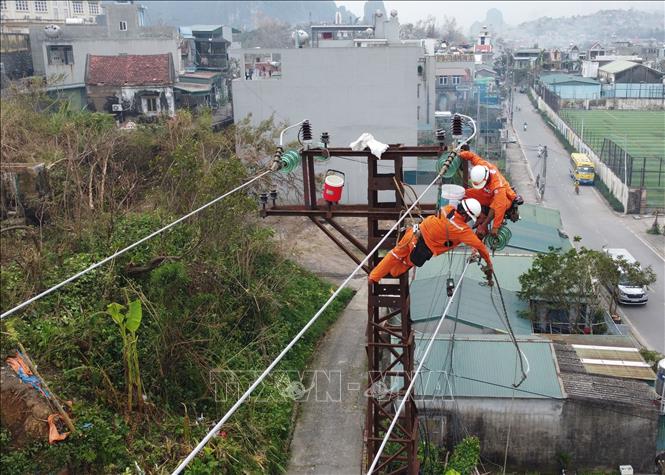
{"x": 641, "y": 133}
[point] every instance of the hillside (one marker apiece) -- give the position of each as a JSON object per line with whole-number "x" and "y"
{"x": 242, "y": 15}
{"x": 604, "y": 26}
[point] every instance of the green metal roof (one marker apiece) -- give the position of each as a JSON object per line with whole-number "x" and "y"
{"x": 428, "y": 294}
{"x": 535, "y": 237}
{"x": 541, "y": 215}
{"x": 507, "y": 267}
{"x": 566, "y": 78}
{"x": 484, "y": 366}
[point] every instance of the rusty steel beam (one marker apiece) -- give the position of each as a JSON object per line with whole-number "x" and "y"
{"x": 339, "y": 243}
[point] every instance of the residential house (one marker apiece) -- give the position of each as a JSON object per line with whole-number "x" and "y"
{"x": 574, "y": 53}
{"x": 206, "y": 46}
{"x": 131, "y": 85}
{"x": 485, "y": 72}
{"x": 526, "y": 58}
{"x": 16, "y": 16}
{"x": 595, "y": 50}
{"x": 552, "y": 59}
{"x": 15, "y": 56}
{"x": 483, "y": 49}
{"x": 569, "y": 86}
{"x": 576, "y": 386}
{"x": 60, "y": 52}
{"x": 454, "y": 81}
{"x": 590, "y": 398}
{"x": 335, "y": 86}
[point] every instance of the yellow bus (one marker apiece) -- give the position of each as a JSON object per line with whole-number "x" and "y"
{"x": 581, "y": 168}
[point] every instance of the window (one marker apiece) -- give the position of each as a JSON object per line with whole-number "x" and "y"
{"x": 41, "y": 6}
{"x": 123, "y": 26}
{"x": 441, "y": 83}
{"x": 93, "y": 7}
{"x": 59, "y": 55}
{"x": 22, "y": 5}
{"x": 77, "y": 7}
{"x": 456, "y": 79}
{"x": 3, "y": 5}
{"x": 151, "y": 104}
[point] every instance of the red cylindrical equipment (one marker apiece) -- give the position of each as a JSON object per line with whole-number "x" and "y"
{"x": 333, "y": 184}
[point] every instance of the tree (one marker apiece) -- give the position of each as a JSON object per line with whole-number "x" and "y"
{"x": 451, "y": 32}
{"x": 571, "y": 281}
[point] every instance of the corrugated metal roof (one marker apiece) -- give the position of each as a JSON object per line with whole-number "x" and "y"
{"x": 541, "y": 215}
{"x": 508, "y": 267}
{"x": 535, "y": 237}
{"x": 617, "y": 66}
{"x": 567, "y": 78}
{"x": 428, "y": 296}
{"x": 484, "y": 366}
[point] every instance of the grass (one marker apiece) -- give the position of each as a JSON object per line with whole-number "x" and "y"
{"x": 640, "y": 133}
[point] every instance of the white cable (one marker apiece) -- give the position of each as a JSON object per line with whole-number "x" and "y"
{"x": 281, "y": 135}
{"x": 131, "y": 246}
{"x": 415, "y": 375}
{"x": 295, "y": 339}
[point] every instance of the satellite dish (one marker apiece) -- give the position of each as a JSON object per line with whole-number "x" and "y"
{"x": 52, "y": 31}
{"x": 379, "y": 13}
{"x": 393, "y": 13}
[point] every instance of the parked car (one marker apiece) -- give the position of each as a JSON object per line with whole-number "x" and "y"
{"x": 627, "y": 292}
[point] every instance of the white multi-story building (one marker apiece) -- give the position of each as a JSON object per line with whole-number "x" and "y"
{"x": 17, "y": 15}
{"x": 359, "y": 79}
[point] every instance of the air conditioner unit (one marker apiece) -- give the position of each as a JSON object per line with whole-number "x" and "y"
{"x": 116, "y": 107}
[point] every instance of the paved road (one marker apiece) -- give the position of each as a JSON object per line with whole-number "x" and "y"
{"x": 588, "y": 216}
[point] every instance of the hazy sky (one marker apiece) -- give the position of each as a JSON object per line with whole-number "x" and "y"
{"x": 513, "y": 12}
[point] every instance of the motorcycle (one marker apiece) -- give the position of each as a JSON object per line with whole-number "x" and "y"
{"x": 524, "y": 126}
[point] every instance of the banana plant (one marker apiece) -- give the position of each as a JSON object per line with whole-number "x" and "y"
{"x": 129, "y": 323}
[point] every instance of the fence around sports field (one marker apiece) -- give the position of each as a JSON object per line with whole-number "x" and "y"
{"x": 630, "y": 143}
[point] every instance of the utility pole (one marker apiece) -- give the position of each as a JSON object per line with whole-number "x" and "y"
{"x": 390, "y": 338}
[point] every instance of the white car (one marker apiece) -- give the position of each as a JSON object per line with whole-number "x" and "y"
{"x": 628, "y": 293}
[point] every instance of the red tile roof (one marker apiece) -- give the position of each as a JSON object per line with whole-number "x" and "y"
{"x": 130, "y": 70}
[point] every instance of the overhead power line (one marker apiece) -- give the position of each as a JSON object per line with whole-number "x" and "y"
{"x": 131, "y": 246}
{"x": 295, "y": 339}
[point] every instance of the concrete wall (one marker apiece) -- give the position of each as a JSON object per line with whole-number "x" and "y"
{"x": 616, "y": 187}
{"x": 344, "y": 91}
{"x": 596, "y": 435}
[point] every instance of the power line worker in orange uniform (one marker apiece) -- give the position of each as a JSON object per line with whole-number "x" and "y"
{"x": 434, "y": 236}
{"x": 492, "y": 191}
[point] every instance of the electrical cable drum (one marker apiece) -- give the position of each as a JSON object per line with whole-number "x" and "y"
{"x": 290, "y": 160}
{"x": 500, "y": 241}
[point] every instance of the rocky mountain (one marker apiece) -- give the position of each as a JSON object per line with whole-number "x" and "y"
{"x": 604, "y": 26}
{"x": 245, "y": 15}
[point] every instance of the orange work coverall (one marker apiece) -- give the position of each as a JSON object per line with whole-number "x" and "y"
{"x": 441, "y": 235}
{"x": 497, "y": 193}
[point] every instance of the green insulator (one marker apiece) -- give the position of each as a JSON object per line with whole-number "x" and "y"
{"x": 500, "y": 241}
{"x": 290, "y": 160}
{"x": 452, "y": 169}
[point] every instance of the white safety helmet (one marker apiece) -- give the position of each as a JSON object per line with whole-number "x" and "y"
{"x": 471, "y": 208}
{"x": 479, "y": 176}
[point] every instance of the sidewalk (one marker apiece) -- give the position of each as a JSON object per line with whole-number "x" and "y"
{"x": 520, "y": 175}
{"x": 328, "y": 437}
